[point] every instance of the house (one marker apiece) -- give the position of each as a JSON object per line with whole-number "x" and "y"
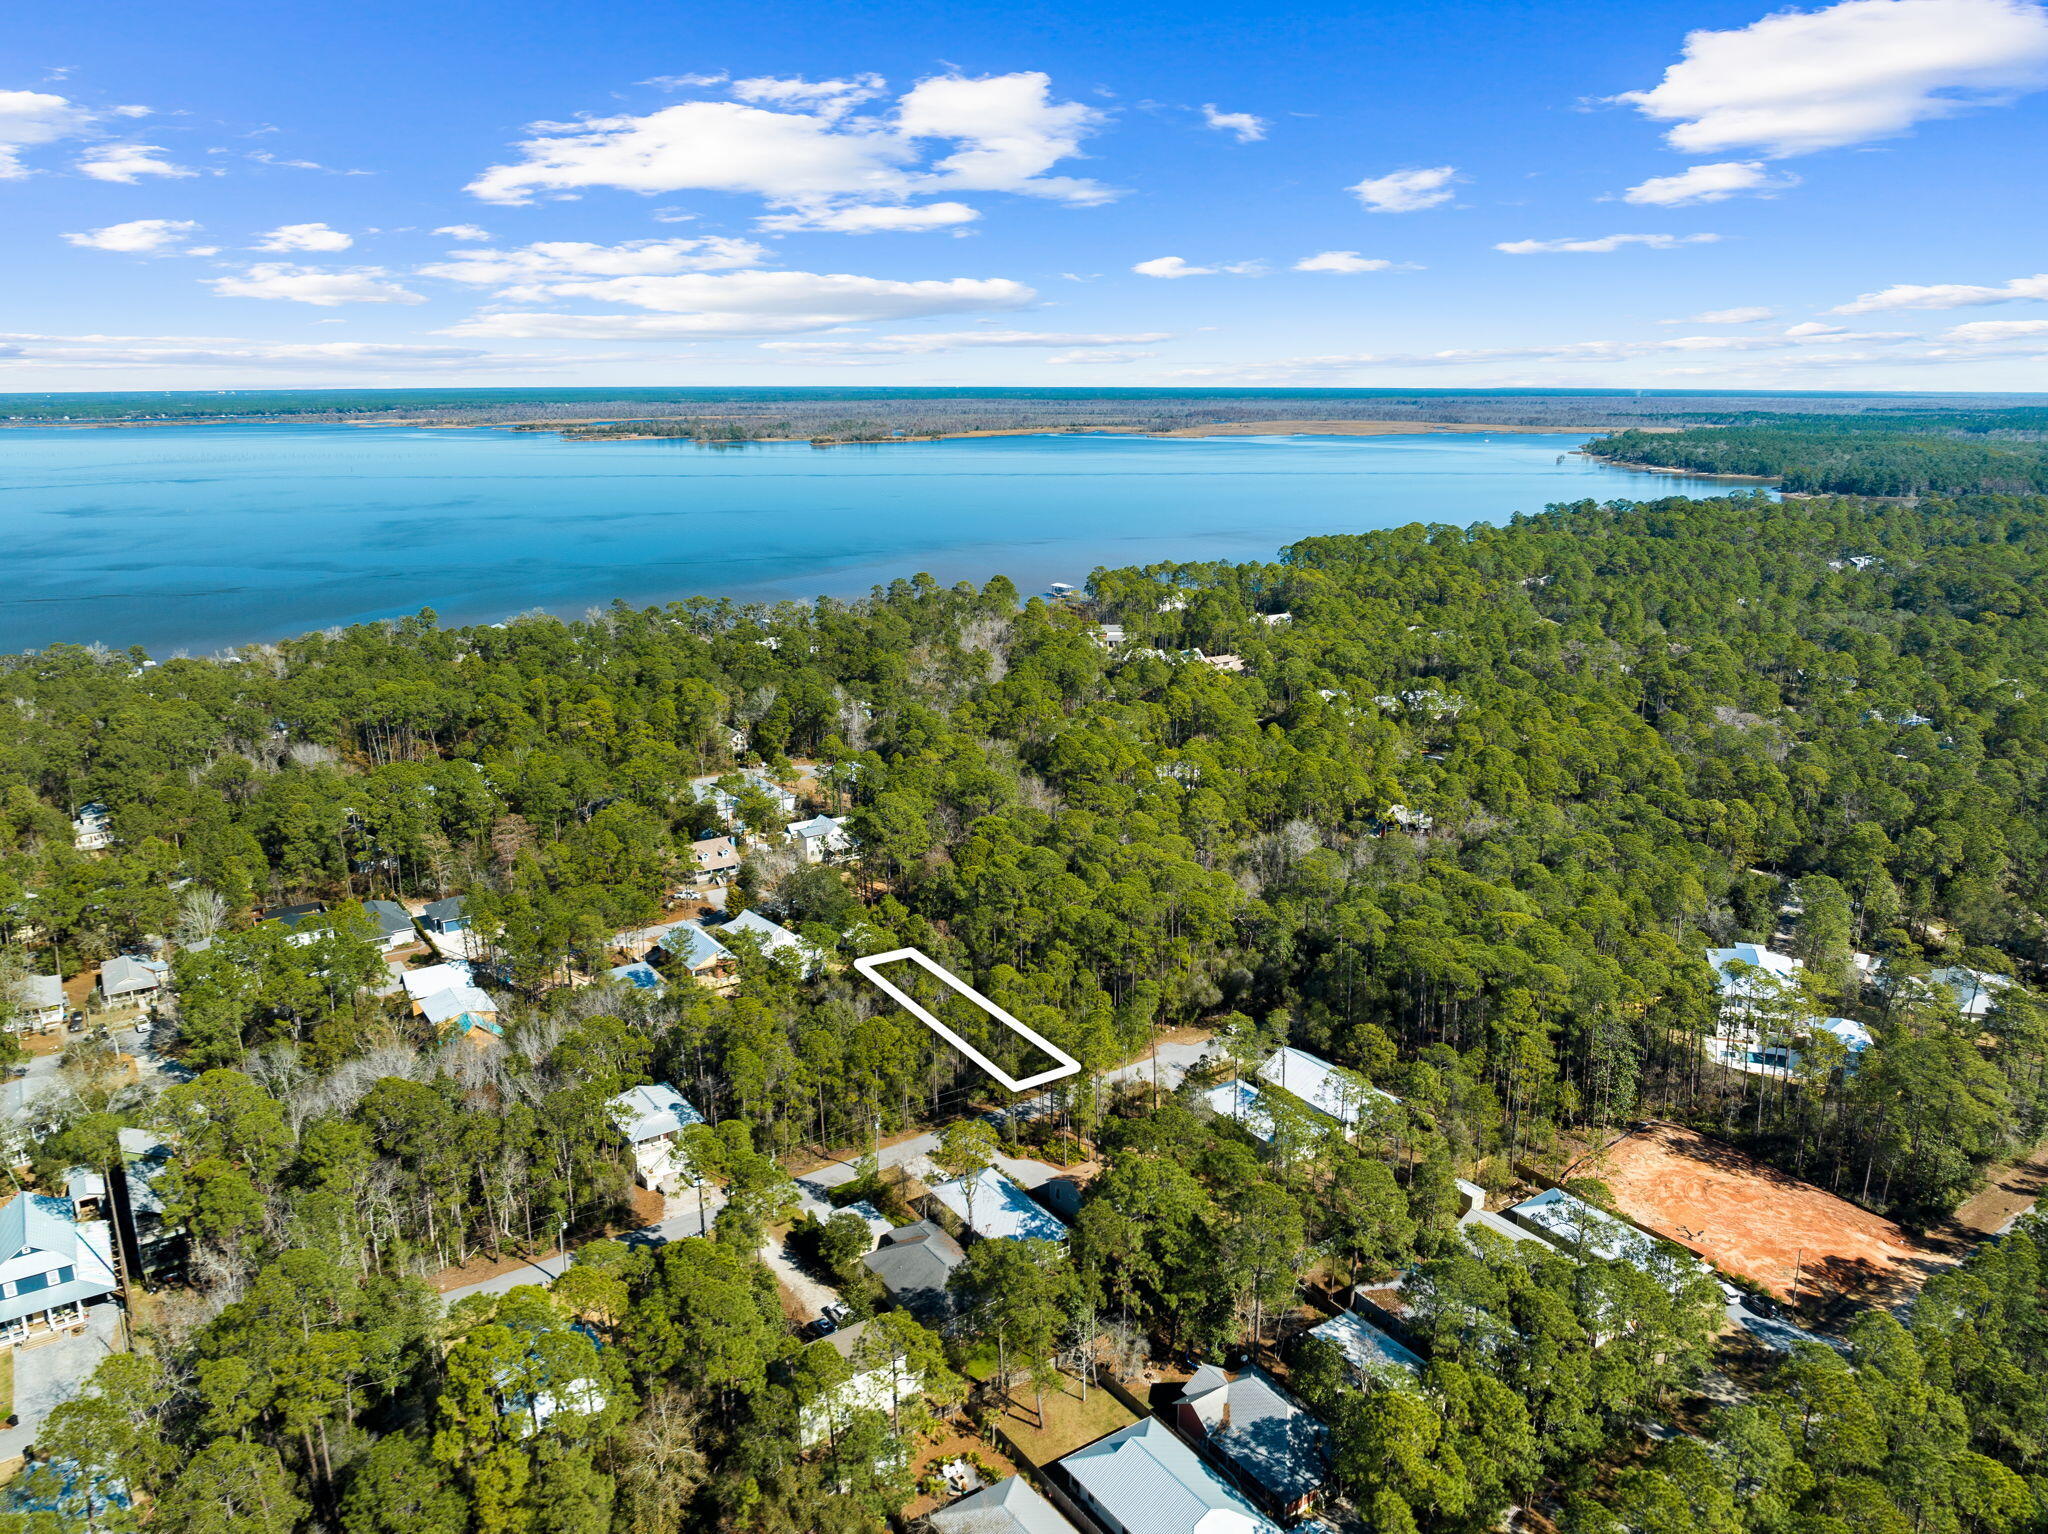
{"x": 92, "y": 828}
{"x": 1274, "y": 620}
{"x": 653, "y": 1118}
{"x": 530, "y": 1396}
{"x": 1780, "y": 1055}
{"x": 1574, "y": 1225}
{"x": 821, "y": 839}
{"x": 717, "y": 858}
{"x": 447, "y": 996}
{"x": 446, "y": 916}
{"x": 464, "y": 1012}
{"x": 301, "y": 924}
{"x": 1329, "y": 1089}
{"x": 41, "y": 1007}
{"x": 149, "y": 1246}
{"x": 125, "y": 976}
{"x": 773, "y": 939}
{"x": 639, "y": 977}
{"x": 1474, "y": 1217}
{"x": 1143, "y": 1479}
{"x": 1232, "y": 663}
{"x": 996, "y": 1209}
{"x": 1973, "y": 991}
{"x": 689, "y": 947}
{"x": 1274, "y": 1448}
{"x": 1011, "y": 1506}
{"x": 1240, "y": 1102}
{"x": 914, "y": 1264}
{"x": 1371, "y": 1357}
{"x": 877, "y": 1384}
{"x": 705, "y": 790}
{"x": 393, "y": 923}
{"x": 1748, "y": 975}
{"x": 54, "y": 1265}
{"x": 1110, "y": 635}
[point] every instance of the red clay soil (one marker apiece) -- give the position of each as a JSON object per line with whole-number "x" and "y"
{"x": 2009, "y": 1191}
{"x": 1756, "y": 1222}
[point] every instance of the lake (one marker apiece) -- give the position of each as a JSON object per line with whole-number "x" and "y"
{"x": 196, "y": 537}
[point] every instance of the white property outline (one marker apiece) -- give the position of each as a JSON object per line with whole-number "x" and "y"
{"x": 1068, "y": 1065}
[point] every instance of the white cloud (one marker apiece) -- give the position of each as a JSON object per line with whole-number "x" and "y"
{"x": 1244, "y": 125}
{"x": 1407, "y": 191}
{"x": 129, "y": 163}
{"x": 1947, "y": 295}
{"x": 139, "y": 236}
{"x": 1980, "y": 332}
{"x": 265, "y": 157}
{"x": 1342, "y": 261}
{"x": 573, "y": 258}
{"x": 1799, "y": 81}
{"x": 828, "y": 98}
{"x": 464, "y": 231}
{"x": 958, "y": 340}
{"x": 1005, "y": 132}
{"x": 1603, "y": 244}
{"x": 743, "y": 303}
{"x": 1747, "y": 315}
{"x": 1092, "y": 356}
{"x": 29, "y": 118}
{"x": 1710, "y": 183}
{"x": 1172, "y": 266}
{"x": 870, "y": 218}
{"x": 20, "y": 351}
{"x": 290, "y": 237}
{"x": 1814, "y": 328}
{"x": 325, "y": 286}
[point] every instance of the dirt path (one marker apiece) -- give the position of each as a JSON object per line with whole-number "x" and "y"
{"x": 2008, "y": 1193}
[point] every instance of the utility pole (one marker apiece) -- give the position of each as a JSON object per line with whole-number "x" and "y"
{"x": 1798, "y": 1263}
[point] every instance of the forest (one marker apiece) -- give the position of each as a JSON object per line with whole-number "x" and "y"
{"x": 1465, "y": 822}
{"x": 1885, "y": 453}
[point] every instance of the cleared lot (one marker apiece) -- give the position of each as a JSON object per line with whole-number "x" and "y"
{"x": 1755, "y": 1221}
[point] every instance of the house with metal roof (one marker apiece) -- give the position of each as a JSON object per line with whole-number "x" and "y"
{"x": 1475, "y": 1217}
{"x": 1371, "y": 1357}
{"x": 1748, "y": 974}
{"x": 689, "y": 947}
{"x": 1013, "y": 1506}
{"x": 1240, "y": 1102}
{"x": 52, "y": 1264}
{"x": 821, "y": 839}
{"x": 1272, "y": 1447}
{"x": 914, "y": 1264}
{"x": 1577, "y": 1226}
{"x": 995, "y": 1209}
{"x": 1974, "y": 992}
{"x": 92, "y": 828}
{"x": 1143, "y": 1479}
{"x": 40, "y": 1006}
{"x": 301, "y": 924}
{"x": 653, "y": 1118}
{"x": 1331, "y": 1090}
{"x": 124, "y": 977}
{"x": 772, "y": 938}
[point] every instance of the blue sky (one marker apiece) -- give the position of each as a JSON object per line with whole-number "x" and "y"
{"x": 1693, "y": 195}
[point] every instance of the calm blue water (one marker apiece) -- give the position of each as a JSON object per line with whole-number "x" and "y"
{"x": 201, "y": 536}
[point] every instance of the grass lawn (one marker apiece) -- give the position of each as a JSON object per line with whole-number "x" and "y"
{"x": 1070, "y": 1422}
{"x": 6, "y": 1383}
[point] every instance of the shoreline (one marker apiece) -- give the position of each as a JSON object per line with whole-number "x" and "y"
{"x": 1312, "y": 428}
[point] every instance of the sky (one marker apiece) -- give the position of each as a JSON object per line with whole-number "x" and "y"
{"x": 1632, "y": 193}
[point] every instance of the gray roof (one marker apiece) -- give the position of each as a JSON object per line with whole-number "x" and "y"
{"x": 914, "y": 1263}
{"x": 40, "y": 991}
{"x": 124, "y": 975}
{"x": 1265, "y": 1433}
{"x": 453, "y": 907}
{"x": 392, "y": 919}
{"x": 1148, "y": 1482}
{"x": 1008, "y": 1507}
{"x": 690, "y": 943}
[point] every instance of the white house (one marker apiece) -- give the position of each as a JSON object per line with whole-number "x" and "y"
{"x": 1371, "y": 1357}
{"x": 689, "y": 947}
{"x": 125, "y": 976}
{"x": 1329, "y": 1089}
{"x": 1143, "y": 1479}
{"x": 1749, "y": 975}
{"x": 301, "y": 924}
{"x": 996, "y": 1209}
{"x": 1241, "y": 1103}
{"x": 1577, "y": 1226}
{"x": 54, "y": 1264}
{"x": 1974, "y": 991}
{"x": 92, "y": 828}
{"x": 447, "y": 996}
{"x": 821, "y": 839}
{"x": 41, "y": 1004}
{"x": 393, "y": 923}
{"x": 882, "y": 1386}
{"x": 705, "y": 790}
{"x": 653, "y": 1118}
{"x": 772, "y": 938}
